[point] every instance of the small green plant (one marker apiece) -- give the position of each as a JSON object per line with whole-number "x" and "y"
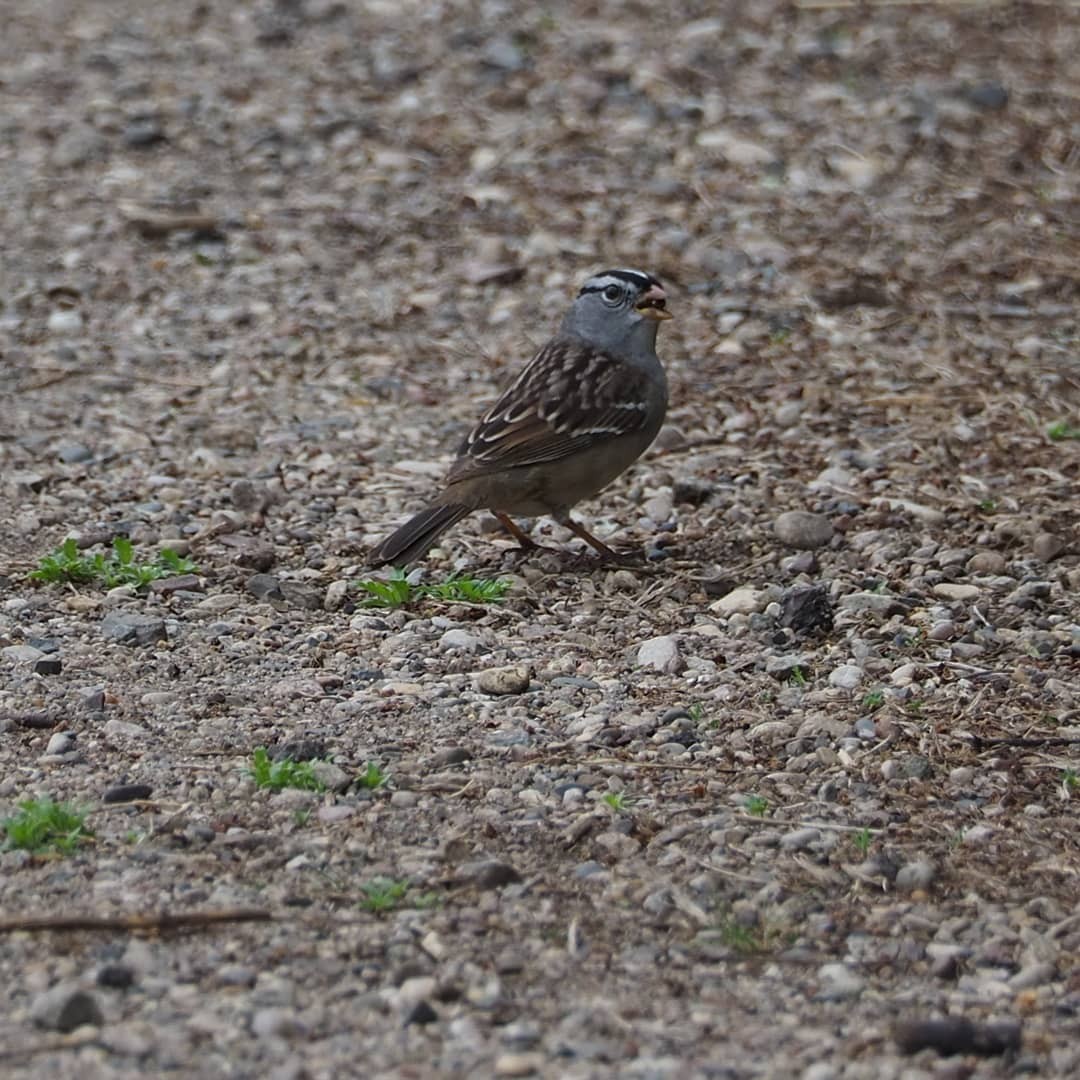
{"x": 914, "y": 707}
{"x": 987, "y": 506}
{"x": 862, "y": 841}
{"x": 117, "y": 567}
{"x": 468, "y": 590}
{"x": 44, "y": 825}
{"x": 285, "y": 773}
{"x": 756, "y": 805}
{"x": 874, "y": 699}
{"x": 382, "y": 894}
{"x": 696, "y": 712}
{"x": 372, "y": 777}
{"x": 397, "y": 590}
{"x": 1063, "y": 430}
{"x": 738, "y": 937}
{"x": 301, "y": 817}
{"x": 617, "y": 801}
{"x": 797, "y": 677}
{"x": 1070, "y": 782}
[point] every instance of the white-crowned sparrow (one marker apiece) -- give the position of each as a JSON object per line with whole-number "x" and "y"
{"x": 585, "y": 408}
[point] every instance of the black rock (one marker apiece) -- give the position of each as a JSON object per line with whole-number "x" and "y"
{"x": 807, "y": 609}
{"x": 421, "y": 1013}
{"x": 64, "y": 1008}
{"x": 48, "y": 665}
{"x": 115, "y": 976}
{"x": 957, "y": 1035}
{"x": 121, "y": 793}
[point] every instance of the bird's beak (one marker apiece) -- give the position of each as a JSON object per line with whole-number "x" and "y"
{"x": 652, "y": 304}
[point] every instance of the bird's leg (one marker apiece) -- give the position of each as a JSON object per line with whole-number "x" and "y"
{"x": 597, "y": 545}
{"x": 527, "y": 542}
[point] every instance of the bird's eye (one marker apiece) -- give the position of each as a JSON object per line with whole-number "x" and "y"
{"x": 612, "y": 293}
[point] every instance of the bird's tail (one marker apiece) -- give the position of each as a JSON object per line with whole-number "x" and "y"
{"x": 413, "y": 539}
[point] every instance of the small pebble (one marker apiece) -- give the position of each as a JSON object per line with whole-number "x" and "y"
{"x": 837, "y": 982}
{"x": 513, "y": 679}
{"x": 660, "y": 653}
{"x": 846, "y": 677}
{"x": 66, "y": 1007}
{"x": 986, "y": 562}
{"x": 951, "y": 590}
{"x": 803, "y": 529}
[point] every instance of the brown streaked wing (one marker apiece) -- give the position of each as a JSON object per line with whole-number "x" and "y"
{"x": 569, "y": 398}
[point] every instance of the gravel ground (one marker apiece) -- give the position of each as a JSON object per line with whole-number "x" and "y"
{"x": 761, "y": 804}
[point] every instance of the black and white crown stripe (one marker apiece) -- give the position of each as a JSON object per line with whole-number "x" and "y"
{"x": 638, "y": 278}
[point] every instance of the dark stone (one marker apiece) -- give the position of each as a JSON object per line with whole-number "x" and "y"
{"x": 121, "y": 793}
{"x": 451, "y": 755}
{"x": 93, "y": 700}
{"x": 131, "y": 629}
{"x": 179, "y": 583}
{"x": 64, "y": 1008}
{"x": 144, "y": 131}
{"x": 299, "y": 750}
{"x": 990, "y": 95}
{"x": 957, "y": 1035}
{"x": 265, "y": 587}
{"x": 490, "y": 874}
{"x": 302, "y": 596}
{"x": 36, "y": 721}
{"x": 115, "y": 976}
{"x": 421, "y": 1013}
{"x": 48, "y": 665}
{"x": 807, "y": 609}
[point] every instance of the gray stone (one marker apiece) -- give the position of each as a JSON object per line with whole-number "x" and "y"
{"x": 73, "y": 453}
{"x": 744, "y": 600}
{"x": 986, "y": 562}
{"x": 955, "y": 590}
{"x": 846, "y": 677}
{"x": 1047, "y": 546}
{"x": 116, "y": 727}
{"x": 177, "y": 583}
{"x": 1036, "y": 974}
{"x": 61, "y": 743}
{"x": 460, "y": 640}
{"x": 65, "y": 322}
{"x": 66, "y": 1007}
{"x": 78, "y": 146}
{"x": 130, "y": 628}
{"x": 660, "y": 654}
{"x": 803, "y": 530}
{"x": 837, "y": 982}
{"x": 21, "y": 654}
{"x": 916, "y": 875}
{"x": 800, "y": 839}
{"x": 332, "y": 776}
{"x": 882, "y": 604}
{"x": 269, "y": 1022}
{"x": 488, "y": 873}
